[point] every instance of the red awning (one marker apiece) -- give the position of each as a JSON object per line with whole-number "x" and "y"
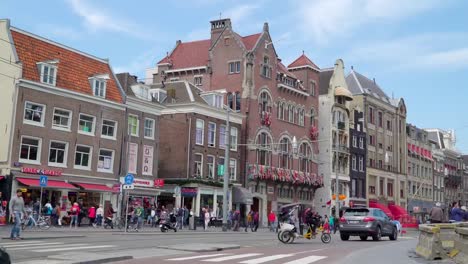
{"x": 381, "y": 207}
{"x": 50, "y": 183}
{"x": 2, "y": 177}
{"x": 95, "y": 187}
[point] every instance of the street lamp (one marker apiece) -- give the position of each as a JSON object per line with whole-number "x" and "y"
{"x": 226, "y": 170}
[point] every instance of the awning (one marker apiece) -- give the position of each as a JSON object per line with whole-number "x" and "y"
{"x": 95, "y": 187}
{"x": 2, "y": 177}
{"x": 381, "y": 207}
{"x": 241, "y": 195}
{"x": 50, "y": 183}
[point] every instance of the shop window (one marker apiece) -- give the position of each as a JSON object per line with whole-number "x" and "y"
{"x": 61, "y": 119}
{"x": 34, "y": 113}
{"x": 86, "y": 124}
{"x": 83, "y": 157}
{"x": 109, "y": 129}
{"x": 30, "y": 150}
{"x": 106, "y": 160}
{"x": 58, "y": 154}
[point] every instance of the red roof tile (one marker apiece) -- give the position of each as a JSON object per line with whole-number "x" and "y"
{"x": 195, "y": 53}
{"x": 283, "y": 69}
{"x": 74, "y": 68}
{"x": 303, "y": 61}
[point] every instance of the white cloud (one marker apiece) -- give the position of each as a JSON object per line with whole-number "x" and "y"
{"x": 96, "y": 20}
{"x": 139, "y": 64}
{"x": 323, "y": 20}
{"x": 240, "y": 12}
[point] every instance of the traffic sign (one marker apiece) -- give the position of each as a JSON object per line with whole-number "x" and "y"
{"x": 43, "y": 181}
{"x": 128, "y": 186}
{"x": 129, "y": 179}
{"x": 177, "y": 190}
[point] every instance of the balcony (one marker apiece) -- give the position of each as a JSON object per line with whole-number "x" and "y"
{"x": 340, "y": 148}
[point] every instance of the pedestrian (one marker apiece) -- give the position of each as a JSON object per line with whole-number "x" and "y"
{"x": 75, "y": 210}
{"x": 236, "y": 218}
{"x": 331, "y": 221}
{"x": 81, "y": 213}
{"x": 207, "y": 218}
{"x": 99, "y": 216}
{"x": 456, "y": 214}
{"x": 180, "y": 217}
{"x": 138, "y": 216}
{"x": 57, "y": 215}
{"x": 229, "y": 219}
{"x": 153, "y": 216}
{"x": 436, "y": 214}
{"x": 109, "y": 215}
{"x": 249, "y": 221}
{"x": 256, "y": 219}
{"x": 17, "y": 210}
{"x": 92, "y": 215}
{"x": 186, "y": 216}
{"x": 272, "y": 220}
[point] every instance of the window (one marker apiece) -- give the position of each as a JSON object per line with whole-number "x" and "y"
{"x": 380, "y": 164}
{"x": 361, "y": 142}
{"x": 238, "y": 102}
{"x": 371, "y": 140}
{"x": 380, "y": 119}
{"x": 390, "y": 189}
{"x": 305, "y": 158}
{"x": 312, "y": 117}
{"x": 266, "y": 69}
{"x": 234, "y": 67}
{"x": 149, "y": 128}
{"x": 301, "y": 117}
{"x": 353, "y": 162}
{"x": 133, "y": 125}
{"x": 211, "y": 134}
{"x": 361, "y": 163}
{"x": 221, "y": 163}
{"x": 233, "y": 142}
{"x": 284, "y": 146}
{"x": 61, "y": 119}
{"x": 198, "y": 165}
{"x": 200, "y": 128}
{"x": 211, "y": 166}
{"x": 83, "y": 157}
{"x": 222, "y": 136}
{"x": 353, "y": 188}
{"x": 106, "y": 159}
{"x": 291, "y": 114}
{"x": 99, "y": 87}
{"x": 389, "y": 125}
{"x": 30, "y": 151}
{"x": 380, "y": 146}
{"x": 48, "y": 73}
{"x": 312, "y": 88}
{"x": 371, "y": 115}
{"x": 230, "y": 100}
{"x": 34, "y": 113}
{"x": 265, "y": 102}
{"x": 232, "y": 169}
{"x": 263, "y": 149}
{"x": 86, "y": 124}
{"x": 355, "y": 141}
{"x": 109, "y": 129}
{"x": 280, "y": 110}
{"x": 58, "y": 153}
{"x": 197, "y": 80}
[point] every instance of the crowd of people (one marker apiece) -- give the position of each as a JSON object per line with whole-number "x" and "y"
{"x": 456, "y": 213}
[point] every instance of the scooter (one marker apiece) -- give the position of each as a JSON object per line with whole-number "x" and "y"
{"x": 164, "y": 225}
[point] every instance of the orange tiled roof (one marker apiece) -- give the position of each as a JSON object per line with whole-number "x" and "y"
{"x": 303, "y": 60}
{"x": 74, "y": 68}
{"x": 195, "y": 53}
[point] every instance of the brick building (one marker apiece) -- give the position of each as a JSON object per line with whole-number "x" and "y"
{"x": 278, "y": 104}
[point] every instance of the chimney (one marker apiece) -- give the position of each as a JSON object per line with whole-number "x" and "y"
{"x": 217, "y": 27}
{"x": 265, "y": 27}
{"x": 373, "y": 80}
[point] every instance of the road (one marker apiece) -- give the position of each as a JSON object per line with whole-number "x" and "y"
{"x": 69, "y": 246}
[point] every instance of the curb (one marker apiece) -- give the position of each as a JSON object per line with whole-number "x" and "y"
{"x": 105, "y": 260}
{"x": 46, "y": 237}
{"x": 177, "y": 233}
{"x": 208, "y": 249}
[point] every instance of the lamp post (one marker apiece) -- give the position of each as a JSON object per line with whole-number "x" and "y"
{"x": 226, "y": 170}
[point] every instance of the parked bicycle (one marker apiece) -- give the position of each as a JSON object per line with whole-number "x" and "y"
{"x": 42, "y": 222}
{"x": 118, "y": 222}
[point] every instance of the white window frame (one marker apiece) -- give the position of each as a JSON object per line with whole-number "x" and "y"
{"x": 235, "y": 66}
{"x": 137, "y": 126}
{"x": 213, "y": 166}
{"x": 198, "y": 77}
{"x": 361, "y": 142}
{"x": 222, "y": 136}
{"x": 353, "y": 162}
{"x": 201, "y": 165}
{"x": 115, "y": 129}
{"x": 212, "y": 144}
{"x": 58, "y": 127}
{"x": 232, "y": 175}
{"x": 102, "y": 82}
{"x": 93, "y": 125}
{"x": 361, "y": 163}
{"x": 152, "y": 128}
{"x": 90, "y": 158}
{"x": 233, "y": 137}
{"x": 112, "y": 161}
{"x": 202, "y": 131}
{"x": 51, "y": 80}
{"x": 39, "y": 149}
{"x": 65, "y": 154}
{"x": 355, "y": 141}
{"x": 31, "y": 122}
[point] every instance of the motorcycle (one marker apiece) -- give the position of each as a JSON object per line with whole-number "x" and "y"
{"x": 164, "y": 225}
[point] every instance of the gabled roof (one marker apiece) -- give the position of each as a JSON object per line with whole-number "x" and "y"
{"x": 360, "y": 84}
{"x": 283, "y": 69}
{"x": 303, "y": 61}
{"x": 73, "y": 68}
{"x": 185, "y": 92}
{"x": 196, "y": 53}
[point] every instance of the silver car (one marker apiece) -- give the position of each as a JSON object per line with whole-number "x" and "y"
{"x": 365, "y": 222}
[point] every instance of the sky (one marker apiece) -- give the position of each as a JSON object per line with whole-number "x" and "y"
{"x": 417, "y": 49}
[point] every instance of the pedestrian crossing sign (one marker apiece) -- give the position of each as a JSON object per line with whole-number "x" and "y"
{"x": 43, "y": 181}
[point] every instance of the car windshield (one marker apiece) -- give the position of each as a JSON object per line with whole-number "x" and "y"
{"x": 356, "y": 212}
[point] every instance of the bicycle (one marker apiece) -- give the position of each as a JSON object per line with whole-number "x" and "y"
{"x": 42, "y": 222}
{"x": 117, "y": 222}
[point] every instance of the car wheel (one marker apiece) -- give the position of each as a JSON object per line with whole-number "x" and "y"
{"x": 394, "y": 235}
{"x": 378, "y": 234}
{"x": 363, "y": 237}
{"x": 344, "y": 237}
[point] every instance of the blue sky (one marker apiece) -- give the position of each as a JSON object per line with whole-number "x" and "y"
{"x": 414, "y": 49}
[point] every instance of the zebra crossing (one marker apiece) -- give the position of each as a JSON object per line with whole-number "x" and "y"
{"x": 251, "y": 258}
{"x": 39, "y": 246}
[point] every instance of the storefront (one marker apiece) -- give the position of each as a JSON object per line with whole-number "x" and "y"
{"x": 148, "y": 193}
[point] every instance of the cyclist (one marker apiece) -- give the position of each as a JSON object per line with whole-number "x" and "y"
{"x": 109, "y": 215}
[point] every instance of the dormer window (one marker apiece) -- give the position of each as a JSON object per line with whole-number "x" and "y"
{"x": 142, "y": 92}
{"x": 48, "y": 71}
{"x": 214, "y": 99}
{"x": 99, "y": 87}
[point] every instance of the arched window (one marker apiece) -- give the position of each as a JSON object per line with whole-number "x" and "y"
{"x": 264, "y": 149}
{"x": 280, "y": 110}
{"x": 305, "y": 158}
{"x": 301, "y": 117}
{"x": 238, "y": 101}
{"x": 230, "y": 99}
{"x": 264, "y": 102}
{"x": 293, "y": 114}
{"x": 312, "y": 117}
{"x": 284, "y": 148}
{"x": 290, "y": 113}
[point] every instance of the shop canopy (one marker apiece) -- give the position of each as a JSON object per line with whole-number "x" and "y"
{"x": 2, "y": 177}
{"x": 50, "y": 183}
{"x": 95, "y": 187}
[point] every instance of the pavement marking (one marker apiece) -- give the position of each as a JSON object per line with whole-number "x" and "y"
{"x": 45, "y": 247}
{"x": 233, "y": 257}
{"x": 306, "y": 260}
{"x": 197, "y": 257}
{"x": 71, "y": 248}
{"x": 20, "y": 243}
{"x": 309, "y": 251}
{"x": 31, "y": 245}
{"x": 266, "y": 259}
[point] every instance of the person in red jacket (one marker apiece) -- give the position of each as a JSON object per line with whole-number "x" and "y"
{"x": 75, "y": 211}
{"x": 91, "y": 215}
{"x": 272, "y": 220}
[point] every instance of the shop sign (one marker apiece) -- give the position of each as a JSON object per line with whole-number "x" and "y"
{"x": 143, "y": 183}
{"x": 147, "y": 160}
{"x": 188, "y": 191}
{"x": 40, "y": 171}
{"x": 159, "y": 183}
{"x": 24, "y": 190}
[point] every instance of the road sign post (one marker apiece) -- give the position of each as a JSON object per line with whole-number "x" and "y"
{"x": 128, "y": 182}
{"x": 43, "y": 183}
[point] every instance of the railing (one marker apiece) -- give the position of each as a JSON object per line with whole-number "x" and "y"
{"x": 341, "y": 125}
{"x": 340, "y": 147}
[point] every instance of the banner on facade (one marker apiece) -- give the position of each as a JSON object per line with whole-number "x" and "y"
{"x": 147, "y": 160}
{"x": 41, "y": 172}
{"x": 132, "y": 157}
{"x": 188, "y": 192}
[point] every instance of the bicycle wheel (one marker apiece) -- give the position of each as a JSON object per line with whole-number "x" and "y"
{"x": 43, "y": 224}
{"x": 326, "y": 238}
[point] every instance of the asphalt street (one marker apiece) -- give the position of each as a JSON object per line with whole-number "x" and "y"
{"x": 71, "y": 246}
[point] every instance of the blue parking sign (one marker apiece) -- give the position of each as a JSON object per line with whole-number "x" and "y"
{"x": 129, "y": 179}
{"x": 43, "y": 181}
